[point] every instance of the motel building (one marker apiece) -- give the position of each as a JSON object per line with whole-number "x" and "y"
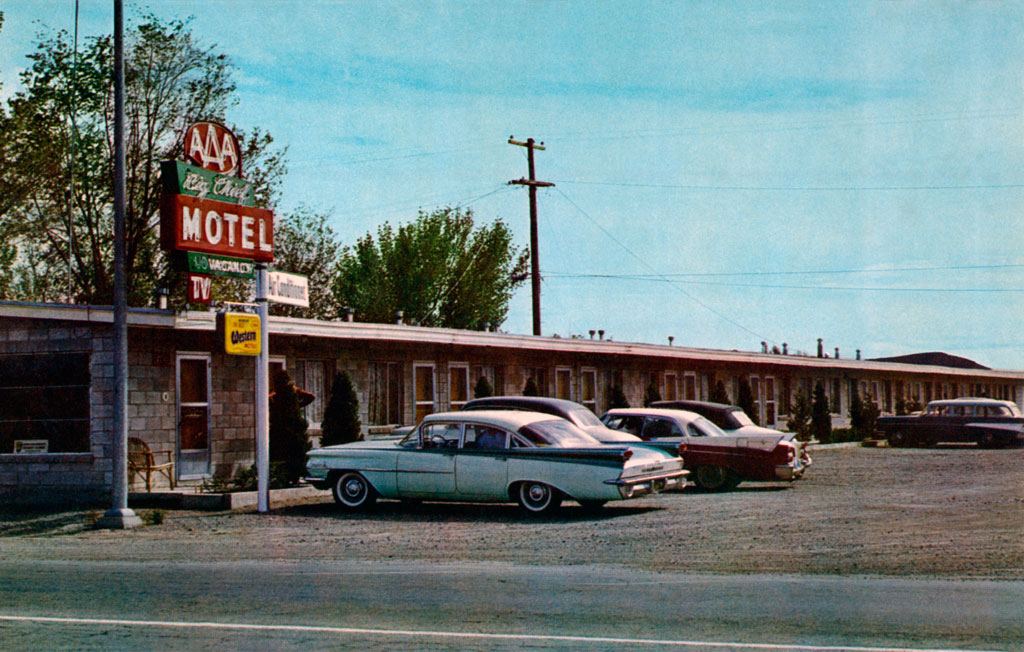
{"x": 193, "y": 404}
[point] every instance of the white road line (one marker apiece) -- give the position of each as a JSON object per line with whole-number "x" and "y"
{"x": 468, "y": 635}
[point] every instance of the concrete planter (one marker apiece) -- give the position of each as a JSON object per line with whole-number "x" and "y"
{"x": 234, "y": 501}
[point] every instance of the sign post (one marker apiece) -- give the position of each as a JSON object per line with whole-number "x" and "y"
{"x": 262, "y": 393}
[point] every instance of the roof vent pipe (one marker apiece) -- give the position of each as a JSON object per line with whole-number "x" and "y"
{"x": 764, "y": 347}
{"x": 670, "y": 340}
{"x": 600, "y": 334}
{"x": 821, "y": 349}
{"x": 858, "y": 354}
{"x": 837, "y": 353}
{"x": 592, "y": 332}
{"x": 785, "y": 349}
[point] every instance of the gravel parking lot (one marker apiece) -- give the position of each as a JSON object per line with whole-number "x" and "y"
{"x": 952, "y": 512}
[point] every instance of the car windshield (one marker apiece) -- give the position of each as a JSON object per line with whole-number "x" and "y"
{"x": 741, "y": 417}
{"x": 708, "y": 429}
{"x": 584, "y": 417}
{"x": 557, "y": 432}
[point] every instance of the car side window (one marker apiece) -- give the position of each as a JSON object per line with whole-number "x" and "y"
{"x": 440, "y": 435}
{"x": 631, "y": 424}
{"x": 478, "y": 436}
{"x": 655, "y": 428}
{"x": 693, "y": 431}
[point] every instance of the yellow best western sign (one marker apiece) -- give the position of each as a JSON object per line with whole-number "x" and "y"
{"x": 241, "y": 333}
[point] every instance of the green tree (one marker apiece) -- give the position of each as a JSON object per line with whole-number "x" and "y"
{"x": 341, "y": 416}
{"x": 821, "y": 420}
{"x": 304, "y": 243}
{"x": 289, "y": 441}
{"x": 651, "y": 393}
{"x": 439, "y": 270}
{"x": 745, "y": 400}
{"x": 171, "y": 80}
{"x": 800, "y": 416}
{"x": 483, "y": 388}
{"x": 718, "y": 393}
{"x": 856, "y": 411}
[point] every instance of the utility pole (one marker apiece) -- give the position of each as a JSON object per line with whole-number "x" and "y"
{"x": 119, "y": 516}
{"x": 533, "y": 184}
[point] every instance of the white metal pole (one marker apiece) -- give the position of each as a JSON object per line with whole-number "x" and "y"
{"x": 262, "y": 393}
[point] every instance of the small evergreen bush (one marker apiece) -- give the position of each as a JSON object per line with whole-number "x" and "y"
{"x": 483, "y": 388}
{"x": 821, "y": 420}
{"x": 341, "y": 423}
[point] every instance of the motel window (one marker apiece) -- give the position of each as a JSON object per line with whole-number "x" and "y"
{"x": 588, "y": 389}
{"x": 384, "y": 400}
{"x": 45, "y": 397}
{"x": 563, "y": 383}
{"x": 671, "y": 386}
{"x": 423, "y": 380}
{"x": 835, "y": 405}
{"x": 769, "y": 400}
{"x": 786, "y": 398}
{"x": 458, "y": 385}
{"x": 314, "y": 377}
{"x": 690, "y": 387}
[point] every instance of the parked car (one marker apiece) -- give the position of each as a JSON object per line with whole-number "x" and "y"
{"x": 730, "y": 418}
{"x": 492, "y": 456}
{"x": 718, "y": 461}
{"x": 579, "y": 415}
{"x": 984, "y": 421}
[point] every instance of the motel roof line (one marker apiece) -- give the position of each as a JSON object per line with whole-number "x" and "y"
{"x": 206, "y": 321}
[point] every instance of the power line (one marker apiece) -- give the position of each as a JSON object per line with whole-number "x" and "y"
{"x": 666, "y": 280}
{"x": 655, "y": 279}
{"x": 818, "y": 272}
{"x": 668, "y": 186}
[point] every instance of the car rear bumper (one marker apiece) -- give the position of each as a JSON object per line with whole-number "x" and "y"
{"x": 641, "y": 485}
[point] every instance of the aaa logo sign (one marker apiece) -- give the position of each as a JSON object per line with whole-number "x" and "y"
{"x": 212, "y": 146}
{"x": 241, "y": 333}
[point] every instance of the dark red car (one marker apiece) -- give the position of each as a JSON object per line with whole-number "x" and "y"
{"x": 717, "y": 461}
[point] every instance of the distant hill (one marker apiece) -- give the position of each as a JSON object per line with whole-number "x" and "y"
{"x": 934, "y": 359}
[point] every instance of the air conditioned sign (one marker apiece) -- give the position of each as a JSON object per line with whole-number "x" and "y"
{"x": 241, "y": 333}
{"x": 215, "y": 227}
{"x": 292, "y": 289}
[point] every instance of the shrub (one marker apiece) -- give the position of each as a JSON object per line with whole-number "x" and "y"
{"x": 800, "y": 417}
{"x": 821, "y": 420}
{"x": 718, "y": 394}
{"x": 341, "y": 416}
{"x": 651, "y": 394}
{"x": 530, "y": 389}
{"x": 617, "y": 398}
{"x": 288, "y": 438}
{"x": 483, "y": 388}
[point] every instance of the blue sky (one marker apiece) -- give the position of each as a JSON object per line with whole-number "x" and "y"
{"x": 726, "y": 172}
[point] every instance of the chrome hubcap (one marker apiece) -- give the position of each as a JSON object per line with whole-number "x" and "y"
{"x": 353, "y": 488}
{"x": 537, "y": 493}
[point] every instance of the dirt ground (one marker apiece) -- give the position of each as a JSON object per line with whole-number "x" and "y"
{"x": 949, "y": 512}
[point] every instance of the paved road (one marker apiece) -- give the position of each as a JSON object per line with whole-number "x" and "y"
{"x": 360, "y": 605}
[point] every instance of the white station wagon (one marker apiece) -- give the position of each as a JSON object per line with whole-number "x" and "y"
{"x": 492, "y": 456}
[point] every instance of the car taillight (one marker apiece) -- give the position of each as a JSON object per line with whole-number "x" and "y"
{"x": 626, "y": 454}
{"x": 785, "y": 451}
{"x": 682, "y": 448}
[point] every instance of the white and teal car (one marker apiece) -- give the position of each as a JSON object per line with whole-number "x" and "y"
{"x": 492, "y": 456}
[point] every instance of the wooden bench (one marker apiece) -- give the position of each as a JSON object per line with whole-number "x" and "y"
{"x": 142, "y": 461}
